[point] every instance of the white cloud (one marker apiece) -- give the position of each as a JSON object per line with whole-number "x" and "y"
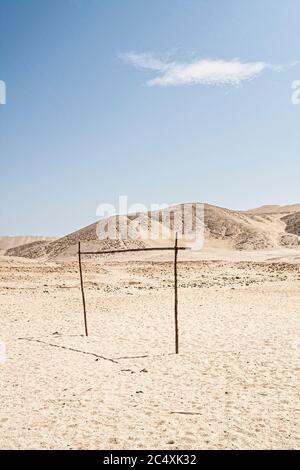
{"x": 197, "y": 72}
{"x": 144, "y": 61}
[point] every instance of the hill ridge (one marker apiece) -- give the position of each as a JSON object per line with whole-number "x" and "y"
{"x": 252, "y": 230}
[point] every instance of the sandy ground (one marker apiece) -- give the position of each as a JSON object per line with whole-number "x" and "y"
{"x": 234, "y": 385}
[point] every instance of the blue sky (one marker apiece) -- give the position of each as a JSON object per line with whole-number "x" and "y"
{"x": 109, "y": 98}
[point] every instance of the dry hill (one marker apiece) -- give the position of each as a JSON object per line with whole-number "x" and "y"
{"x": 258, "y": 229}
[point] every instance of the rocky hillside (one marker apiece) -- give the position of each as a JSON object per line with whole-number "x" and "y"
{"x": 258, "y": 229}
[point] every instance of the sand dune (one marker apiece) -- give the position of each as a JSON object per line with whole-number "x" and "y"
{"x": 276, "y": 209}
{"x": 8, "y": 242}
{"x": 268, "y": 227}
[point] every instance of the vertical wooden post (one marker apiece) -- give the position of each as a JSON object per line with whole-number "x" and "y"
{"x": 176, "y": 294}
{"x": 82, "y": 290}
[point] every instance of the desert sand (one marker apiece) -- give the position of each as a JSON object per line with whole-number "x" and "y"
{"x": 235, "y": 382}
{"x": 234, "y": 385}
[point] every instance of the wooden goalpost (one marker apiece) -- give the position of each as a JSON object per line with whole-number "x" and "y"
{"x": 174, "y": 248}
